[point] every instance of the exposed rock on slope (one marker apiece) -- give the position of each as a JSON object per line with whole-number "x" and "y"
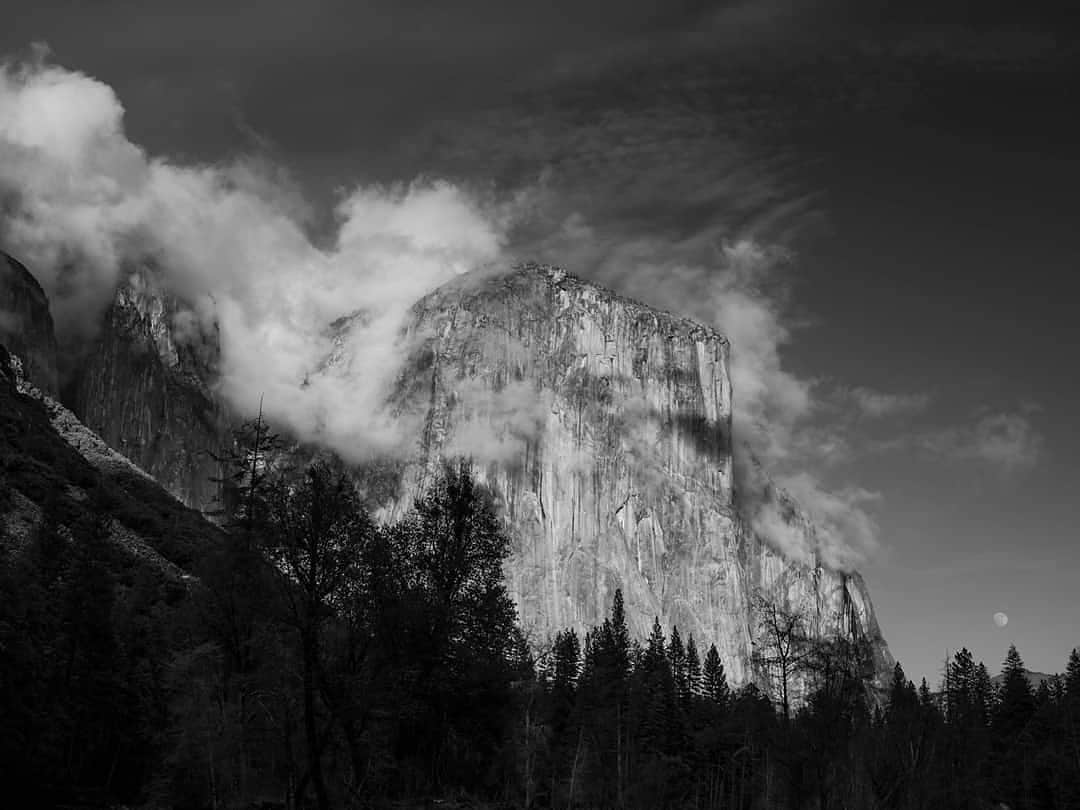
{"x": 145, "y": 392}
{"x": 51, "y": 462}
{"x": 26, "y": 326}
{"x": 605, "y": 429}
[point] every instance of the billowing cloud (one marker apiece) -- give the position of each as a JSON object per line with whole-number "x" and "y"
{"x": 845, "y": 532}
{"x": 82, "y": 204}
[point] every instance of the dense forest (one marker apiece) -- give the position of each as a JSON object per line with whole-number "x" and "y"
{"x": 318, "y": 659}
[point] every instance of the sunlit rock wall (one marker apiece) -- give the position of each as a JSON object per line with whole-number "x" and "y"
{"x": 143, "y": 388}
{"x": 604, "y": 428}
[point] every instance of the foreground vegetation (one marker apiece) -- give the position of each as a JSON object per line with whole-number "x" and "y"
{"x": 319, "y": 660}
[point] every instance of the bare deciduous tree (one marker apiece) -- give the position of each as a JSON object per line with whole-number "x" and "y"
{"x": 780, "y": 647}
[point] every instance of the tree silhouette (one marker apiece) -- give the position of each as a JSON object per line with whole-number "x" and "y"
{"x": 780, "y": 649}
{"x": 316, "y": 533}
{"x": 714, "y": 683}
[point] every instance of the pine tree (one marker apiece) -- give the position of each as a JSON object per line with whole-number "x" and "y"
{"x": 566, "y": 652}
{"x": 693, "y": 670}
{"x": 1017, "y": 702}
{"x": 1072, "y": 677}
{"x": 620, "y": 636}
{"x": 247, "y": 474}
{"x": 655, "y": 651}
{"x": 903, "y": 699}
{"x": 1070, "y": 719}
{"x": 1043, "y": 694}
{"x": 677, "y": 661}
{"x": 926, "y": 698}
{"x": 1012, "y": 735}
{"x": 959, "y": 688}
{"x": 714, "y": 685}
{"x": 983, "y": 695}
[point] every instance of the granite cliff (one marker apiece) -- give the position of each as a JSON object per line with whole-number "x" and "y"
{"x": 602, "y": 426}
{"x": 605, "y": 429}
{"x": 143, "y": 386}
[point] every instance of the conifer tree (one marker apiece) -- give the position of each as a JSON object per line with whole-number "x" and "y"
{"x": 714, "y": 685}
{"x": 1017, "y": 702}
{"x": 959, "y": 688}
{"x": 620, "y": 636}
{"x": 926, "y": 698}
{"x": 566, "y": 654}
{"x": 1012, "y": 732}
{"x": 1043, "y": 694}
{"x": 1070, "y": 718}
{"x": 903, "y": 699}
{"x": 693, "y": 670}
{"x": 655, "y": 656}
{"x": 677, "y": 661}
{"x": 1072, "y": 677}
{"x": 983, "y": 695}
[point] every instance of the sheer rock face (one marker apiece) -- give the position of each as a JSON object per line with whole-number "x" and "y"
{"x": 145, "y": 392}
{"x": 26, "y": 325}
{"x": 604, "y": 428}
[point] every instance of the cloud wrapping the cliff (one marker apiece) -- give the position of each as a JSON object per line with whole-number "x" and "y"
{"x": 82, "y": 205}
{"x": 740, "y": 288}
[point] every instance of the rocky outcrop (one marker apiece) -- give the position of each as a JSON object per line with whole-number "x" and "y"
{"x": 604, "y": 428}
{"x": 26, "y": 325}
{"x": 144, "y": 388}
{"x": 51, "y": 464}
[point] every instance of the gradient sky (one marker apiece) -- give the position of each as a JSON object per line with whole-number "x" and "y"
{"x": 919, "y": 165}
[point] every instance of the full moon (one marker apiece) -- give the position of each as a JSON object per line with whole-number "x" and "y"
{"x": 1000, "y": 619}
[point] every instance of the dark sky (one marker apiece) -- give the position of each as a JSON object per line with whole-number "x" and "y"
{"x": 918, "y": 161}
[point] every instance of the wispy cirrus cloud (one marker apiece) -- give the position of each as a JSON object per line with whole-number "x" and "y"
{"x": 876, "y": 404}
{"x": 1008, "y": 441}
{"x": 1003, "y": 440}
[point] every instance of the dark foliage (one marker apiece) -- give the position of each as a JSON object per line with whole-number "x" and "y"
{"x": 320, "y": 660}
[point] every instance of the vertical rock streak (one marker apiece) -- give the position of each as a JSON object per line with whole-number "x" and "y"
{"x": 146, "y": 393}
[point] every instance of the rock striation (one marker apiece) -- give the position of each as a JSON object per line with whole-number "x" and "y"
{"x": 144, "y": 387}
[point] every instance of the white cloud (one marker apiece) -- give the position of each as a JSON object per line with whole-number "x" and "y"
{"x": 82, "y": 204}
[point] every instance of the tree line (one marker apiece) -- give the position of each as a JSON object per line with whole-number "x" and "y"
{"x": 321, "y": 660}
